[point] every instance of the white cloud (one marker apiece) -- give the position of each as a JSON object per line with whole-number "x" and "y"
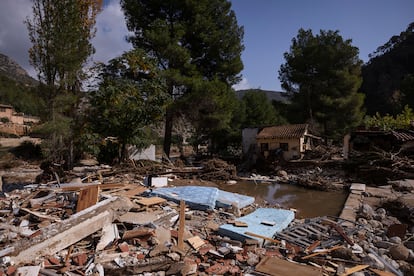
{"x": 109, "y": 41}
{"x": 243, "y": 84}
{"x": 14, "y": 38}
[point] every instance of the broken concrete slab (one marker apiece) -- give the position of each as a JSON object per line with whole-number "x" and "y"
{"x": 281, "y": 217}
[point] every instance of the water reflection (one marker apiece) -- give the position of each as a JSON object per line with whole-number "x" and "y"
{"x": 309, "y": 203}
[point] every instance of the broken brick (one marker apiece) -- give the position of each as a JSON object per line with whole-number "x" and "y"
{"x": 80, "y": 259}
{"x": 54, "y": 261}
{"x": 11, "y": 270}
{"x": 124, "y": 247}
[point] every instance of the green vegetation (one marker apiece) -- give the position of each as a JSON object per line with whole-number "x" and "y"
{"x": 130, "y": 98}
{"x": 186, "y": 57}
{"x": 23, "y": 98}
{"x": 388, "y": 76}
{"x": 322, "y": 75}
{"x": 388, "y": 122}
{"x": 60, "y": 32}
{"x": 198, "y": 47}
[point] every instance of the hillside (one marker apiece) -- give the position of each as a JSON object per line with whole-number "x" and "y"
{"x": 14, "y": 71}
{"x": 17, "y": 88}
{"x": 271, "y": 95}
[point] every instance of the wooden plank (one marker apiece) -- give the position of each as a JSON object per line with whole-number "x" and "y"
{"x": 180, "y": 243}
{"x": 382, "y": 273}
{"x": 79, "y": 186}
{"x": 354, "y": 269}
{"x": 322, "y": 252}
{"x": 276, "y": 267}
{"x": 196, "y": 242}
{"x": 151, "y": 201}
{"x": 240, "y": 224}
{"x": 261, "y": 237}
{"x": 87, "y": 197}
{"x": 138, "y": 232}
{"x": 40, "y": 215}
{"x": 312, "y": 247}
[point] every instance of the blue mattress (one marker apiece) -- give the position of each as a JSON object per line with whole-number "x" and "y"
{"x": 281, "y": 218}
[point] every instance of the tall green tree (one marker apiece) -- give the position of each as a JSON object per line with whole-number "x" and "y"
{"x": 193, "y": 41}
{"x": 259, "y": 111}
{"x": 60, "y": 32}
{"x": 129, "y": 99}
{"x": 322, "y": 74}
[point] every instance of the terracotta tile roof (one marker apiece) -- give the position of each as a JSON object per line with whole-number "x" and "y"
{"x": 286, "y": 131}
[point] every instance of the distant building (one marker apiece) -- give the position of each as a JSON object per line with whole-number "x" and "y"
{"x": 13, "y": 122}
{"x": 291, "y": 141}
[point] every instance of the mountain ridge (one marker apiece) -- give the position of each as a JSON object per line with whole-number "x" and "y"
{"x": 12, "y": 70}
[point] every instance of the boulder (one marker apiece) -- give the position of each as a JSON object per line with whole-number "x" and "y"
{"x": 399, "y": 252}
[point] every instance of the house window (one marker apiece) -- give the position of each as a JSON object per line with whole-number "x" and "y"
{"x": 284, "y": 146}
{"x": 2, "y": 109}
{"x": 264, "y": 147}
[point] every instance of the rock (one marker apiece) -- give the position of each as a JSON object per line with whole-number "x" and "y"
{"x": 343, "y": 253}
{"x": 381, "y": 213}
{"x": 399, "y": 252}
{"x": 388, "y": 221}
{"x": 392, "y": 262}
{"x": 253, "y": 259}
{"x": 282, "y": 173}
{"x": 373, "y": 261}
{"x": 158, "y": 250}
{"x": 224, "y": 250}
{"x": 359, "y": 273}
{"x": 366, "y": 212}
{"x": 396, "y": 240}
{"x": 383, "y": 244}
{"x": 174, "y": 256}
{"x": 375, "y": 224}
{"x": 175, "y": 268}
{"x": 362, "y": 221}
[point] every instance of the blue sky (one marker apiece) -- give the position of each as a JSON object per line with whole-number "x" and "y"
{"x": 270, "y": 25}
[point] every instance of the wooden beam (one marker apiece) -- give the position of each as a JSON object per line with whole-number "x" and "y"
{"x": 381, "y": 273}
{"x": 354, "y": 269}
{"x": 181, "y": 226}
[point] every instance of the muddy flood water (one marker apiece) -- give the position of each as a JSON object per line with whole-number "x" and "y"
{"x": 308, "y": 203}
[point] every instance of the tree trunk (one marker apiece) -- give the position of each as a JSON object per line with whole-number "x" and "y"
{"x": 168, "y": 131}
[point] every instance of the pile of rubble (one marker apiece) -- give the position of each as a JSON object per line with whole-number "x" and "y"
{"x": 109, "y": 227}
